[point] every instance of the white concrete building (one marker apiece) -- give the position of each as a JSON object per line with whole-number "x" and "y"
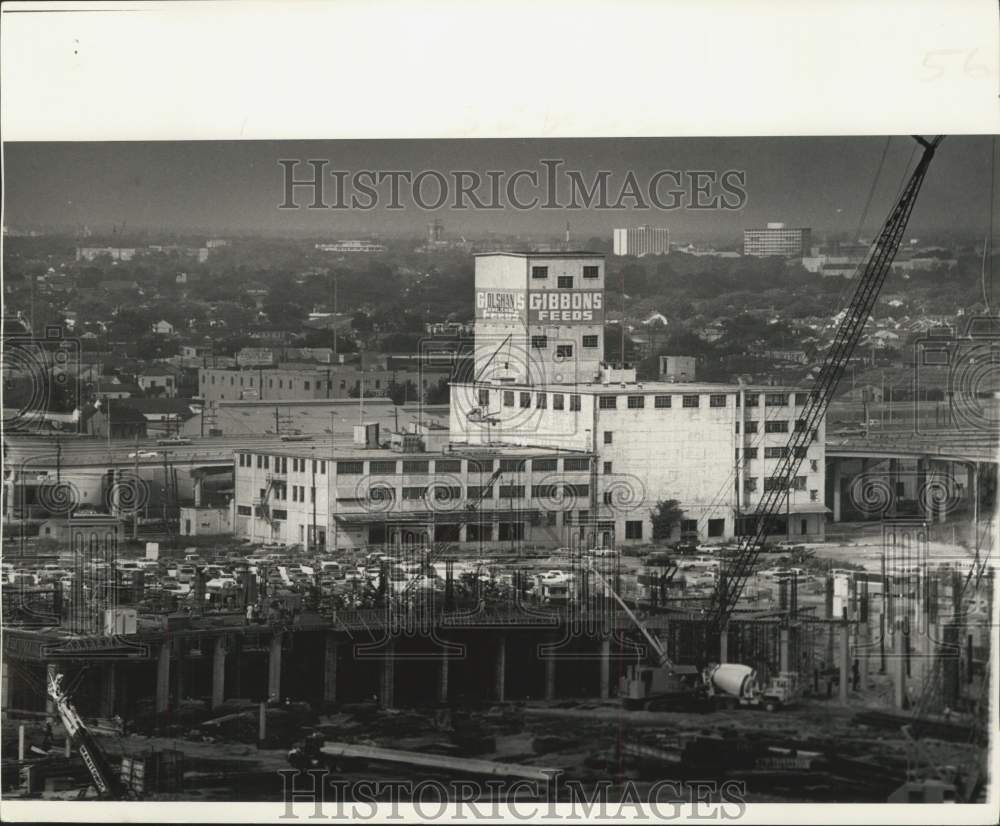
{"x": 640, "y": 241}
{"x": 712, "y": 447}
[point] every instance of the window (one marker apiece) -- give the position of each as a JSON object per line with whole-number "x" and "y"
{"x": 260, "y": 461}
{"x": 508, "y": 398}
{"x": 381, "y": 493}
{"x": 750, "y": 453}
{"x": 544, "y": 491}
{"x": 284, "y": 464}
{"x": 800, "y": 425}
{"x": 322, "y": 466}
{"x": 545, "y": 464}
{"x": 753, "y": 400}
{"x": 480, "y": 491}
{"x": 777, "y": 426}
{"x": 607, "y": 468}
{"x": 564, "y": 351}
{"x": 609, "y": 497}
{"x": 350, "y": 468}
{"x": 383, "y": 467}
{"x": 448, "y": 466}
{"x": 772, "y": 483}
{"x": 539, "y": 342}
{"x": 267, "y": 462}
{"x": 512, "y": 465}
{"x": 608, "y": 402}
{"x": 539, "y": 272}
{"x": 305, "y": 385}
{"x": 750, "y": 426}
{"x": 576, "y": 464}
{"x": 799, "y": 483}
{"x": 750, "y": 485}
{"x": 717, "y": 400}
{"x": 541, "y": 401}
{"x": 243, "y": 510}
{"x": 633, "y": 529}
{"x": 590, "y": 342}
{"x": 813, "y": 464}
{"x": 581, "y": 491}
{"x": 558, "y": 402}
{"x": 415, "y": 492}
{"x": 607, "y": 437}
{"x": 484, "y": 397}
{"x": 691, "y": 401}
{"x": 661, "y": 401}
{"x": 512, "y": 491}
{"x": 415, "y": 465}
{"x": 481, "y": 466}
{"x": 774, "y": 452}
{"x": 477, "y": 533}
{"x": 447, "y": 493}
{"x": 716, "y": 527}
{"x": 775, "y": 399}
{"x": 802, "y": 399}
{"x": 737, "y": 425}
{"x": 565, "y": 282}
{"x": 511, "y": 530}
{"x": 279, "y": 514}
{"x": 525, "y": 399}
{"x": 574, "y": 402}
{"x": 800, "y": 453}
{"x": 814, "y": 495}
{"x": 636, "y": 402}
{"x": 591, "y": 272}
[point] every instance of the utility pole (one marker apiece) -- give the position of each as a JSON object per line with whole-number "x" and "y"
{"x": 277, "y": 424}
{"x": 312, "y": 539}
{"x": 135, "y": 481}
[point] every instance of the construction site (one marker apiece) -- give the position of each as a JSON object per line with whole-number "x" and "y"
{"x": 394, "y": 644}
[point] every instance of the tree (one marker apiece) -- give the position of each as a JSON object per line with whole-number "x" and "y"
{"x": 665, "y": 517}
{"x": 439, "y": 393}
{"x": 403, "y": 392}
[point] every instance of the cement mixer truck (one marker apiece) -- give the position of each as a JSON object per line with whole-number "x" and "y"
{"x": 732, "y": 685}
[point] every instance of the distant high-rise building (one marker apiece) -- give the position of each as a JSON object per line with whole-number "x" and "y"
{"x": 777, "y": 239}
{"x": 435, "y": 231}
{"x": 640, "y": 241}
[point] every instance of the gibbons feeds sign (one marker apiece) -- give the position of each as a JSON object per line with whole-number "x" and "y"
{"x": 566, "y": 307}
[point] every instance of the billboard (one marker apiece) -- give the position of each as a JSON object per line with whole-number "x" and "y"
{"x": 566, "y": 307}
{"x": 500, "y": 305}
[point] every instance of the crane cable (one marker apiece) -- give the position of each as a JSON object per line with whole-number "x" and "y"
{"x": 988, "y": 240}
{"x": 871, "y": 191}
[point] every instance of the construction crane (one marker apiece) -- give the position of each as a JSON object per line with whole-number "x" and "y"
{"x": 869, "y": 284}
{"x": 107, "y": 784}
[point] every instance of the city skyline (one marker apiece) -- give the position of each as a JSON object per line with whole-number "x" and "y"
{"x": 236, "y": 187}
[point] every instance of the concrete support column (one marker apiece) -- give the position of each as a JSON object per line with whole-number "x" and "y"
{"x": 330, "y": 654}
{"x": 784, "y": 649}
{"x": 550, "y": 678}
{"x": 274, "y": 667}
{"x": 899, "y": 666}
{"x": 387, "y": 685}
{"x": 605, "y": 667}
{"x": 109, "y": 686}
{"x": 920, "y": 492}
{"x": 724, "y": 645}
{"x": 50, "y": 707}
{"x": 845, "y": 659}
{"x": 163, "y": 678}
{"x": 836, "y": 489}
{"x": 4, "y": 685}
{"x": 864, "y": 640}
{"x": 442, "y": 693}
{"x": 219, "y": 672}
{"x": 893, "y": 481}
{"x": 500, "y": 685}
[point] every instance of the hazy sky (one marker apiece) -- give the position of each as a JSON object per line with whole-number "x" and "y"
{"x": 237, "y": 186}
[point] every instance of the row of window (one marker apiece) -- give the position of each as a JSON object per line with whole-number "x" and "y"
{"x": 307, "y": 384}
{"x": 564, "y": 281}
{"x": 775, "y": 399}
{"x": 279, "y": 464}
{"x": 564, "y": 350}
{"x": 776, "y": 453}
{"x": 384, "y": 493}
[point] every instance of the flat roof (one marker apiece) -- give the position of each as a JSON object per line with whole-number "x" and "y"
{"x": 347, "y": 451}
{"x": 530, "y": 254}
{"x": 639, "y": 388}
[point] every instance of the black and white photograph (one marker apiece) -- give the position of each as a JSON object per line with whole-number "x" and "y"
{"x": 459, "y": 469}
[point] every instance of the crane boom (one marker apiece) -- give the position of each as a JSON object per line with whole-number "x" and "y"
{"x": 662, "y": 658}
{"x": 106, "y": 782}
{"x": 869, "y": 284}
